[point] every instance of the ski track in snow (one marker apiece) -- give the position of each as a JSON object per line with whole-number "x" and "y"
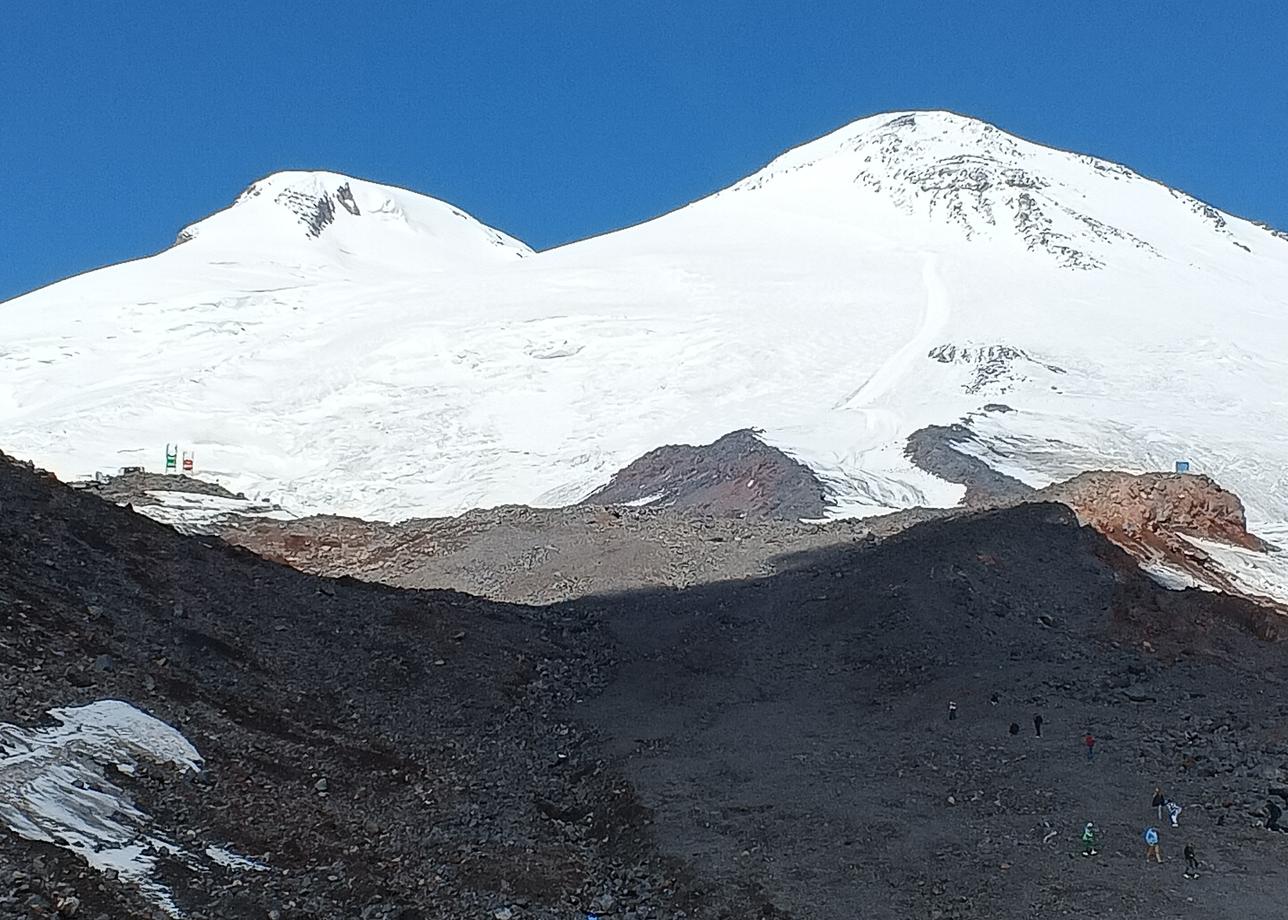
{"x": 934, "y": 320}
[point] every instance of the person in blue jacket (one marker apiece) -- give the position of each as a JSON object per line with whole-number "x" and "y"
{"x": 1152, "y": 850}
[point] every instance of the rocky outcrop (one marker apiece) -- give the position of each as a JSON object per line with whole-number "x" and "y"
{"x": 135, "y": 488}
{"x": 934, "y": 449}
{"x": 1153, "y": 516}
{"x": 737, "y": 476}
{"x": 1156, "y": 509}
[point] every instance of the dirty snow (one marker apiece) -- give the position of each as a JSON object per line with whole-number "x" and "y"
{"x": 1263, "y": 575}
{"x": 646, "y": 500}
{"x": 192, "y": 512}
{"x": 55, "y": 788}
{"x": 1168, "y": 576}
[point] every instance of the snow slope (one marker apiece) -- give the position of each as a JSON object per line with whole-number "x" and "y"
{"x": 907, "y": 269}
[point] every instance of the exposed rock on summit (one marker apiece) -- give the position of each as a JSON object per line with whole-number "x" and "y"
{"x": 738, "y": 475}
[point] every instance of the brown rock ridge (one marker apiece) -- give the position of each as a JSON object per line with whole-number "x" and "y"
{"x": 1150, "y": 514}
{"x": 738, "y": 475}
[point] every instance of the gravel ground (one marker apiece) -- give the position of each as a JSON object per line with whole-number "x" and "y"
{"x": 760, "y": 733}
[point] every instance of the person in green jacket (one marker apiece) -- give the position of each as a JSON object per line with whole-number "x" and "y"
{"x": 1089, "y": 840}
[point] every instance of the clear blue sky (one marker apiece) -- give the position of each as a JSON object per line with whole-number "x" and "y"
{"x": 122, "y": 121}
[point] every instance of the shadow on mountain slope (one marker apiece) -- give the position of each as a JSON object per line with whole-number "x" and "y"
{"x": 738, "y": 749}
{"x": 387, "y": 753}
{"x": 794, "y": 729}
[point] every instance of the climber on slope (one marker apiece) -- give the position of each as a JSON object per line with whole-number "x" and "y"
{"x": 1089, "y": 840}
{"x": 1273, "y": 814}
{"x": 1151, "y": 845}
{"x": 1191, "y": 862}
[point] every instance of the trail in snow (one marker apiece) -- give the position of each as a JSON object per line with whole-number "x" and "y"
{"x": 408, "y": 361}
{"x": 874, "y": 474}
{"x": 933, "y": 321}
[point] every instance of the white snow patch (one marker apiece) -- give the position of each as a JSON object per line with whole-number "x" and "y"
{"x": 230, "y": 860}
{"x": 1169, "y": 577}
{"x": 53, "y": 789}
{"x": 646, "y": 500}
{"x": 1263, "y": 575}
{"x": 193, "y": 512}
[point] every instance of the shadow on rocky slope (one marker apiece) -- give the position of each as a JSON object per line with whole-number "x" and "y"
{"x": 760, "y": 747}
{"x": 794, "y": 729}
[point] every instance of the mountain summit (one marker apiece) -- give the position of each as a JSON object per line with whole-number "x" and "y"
{"x": 343, "y": 346}
{"x": 970, "y": 176}
{"x": 354, "y": 218}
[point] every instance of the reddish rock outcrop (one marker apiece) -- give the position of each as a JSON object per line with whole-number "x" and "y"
{"x": 1155, "y": 509}
{"x": 1150, "y": 515}
{"x": 738, "y": 475}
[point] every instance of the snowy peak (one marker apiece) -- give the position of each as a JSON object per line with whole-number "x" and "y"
{"x": 354, "y": 218}
{"x": 981, "y": 183}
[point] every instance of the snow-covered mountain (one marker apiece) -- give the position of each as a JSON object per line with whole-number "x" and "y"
{"x": 328, "y": 220}
{"x": 337, "y": 345}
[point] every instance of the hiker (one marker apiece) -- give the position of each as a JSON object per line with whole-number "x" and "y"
{"x": 1191, "y": 862}
{"x": 1090, "y": 742}
{"x": 1159, "y": 801}
{"x": 1173, "y": 812}
{"x": 952, "y": 710}
{"x": 1014, "y": 729}
{"x": 1089, "y": 840}
{"x": 994, "y": 700}
{"x": 1037, "y": 724}
{"x": 1275, "y": 813}
{"x": 1151, "y": 845}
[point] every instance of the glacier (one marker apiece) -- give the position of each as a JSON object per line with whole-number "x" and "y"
{"x": 334, "y": 345}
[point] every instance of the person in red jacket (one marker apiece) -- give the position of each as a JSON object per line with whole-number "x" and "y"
{"x": 1090, "y": 742}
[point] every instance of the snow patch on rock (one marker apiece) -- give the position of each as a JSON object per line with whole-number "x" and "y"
{"x": 54, "y": 789}
{"x": 194, "y": 513}
{"x": 1259, "y": 575}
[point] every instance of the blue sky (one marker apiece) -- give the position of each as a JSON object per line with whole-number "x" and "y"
{"x": 122, "y": 121}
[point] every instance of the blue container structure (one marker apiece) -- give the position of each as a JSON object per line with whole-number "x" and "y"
{"x": 1182, "y": 466}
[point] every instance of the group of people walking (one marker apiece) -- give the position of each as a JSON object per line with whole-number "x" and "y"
{"x": 1153, "y": 845}
{"x": 1090, "y": 833}
{"x": 1153, "y": 849}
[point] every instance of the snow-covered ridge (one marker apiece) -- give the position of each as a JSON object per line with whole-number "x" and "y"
{"x": 55, "y": 788}
{"x": 373, "y": 357}
{"x": 360, "y": 219}
{"x": 982, "y": 182}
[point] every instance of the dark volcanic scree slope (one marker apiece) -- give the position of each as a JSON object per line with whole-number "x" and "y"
{"x": 772, "y": 747}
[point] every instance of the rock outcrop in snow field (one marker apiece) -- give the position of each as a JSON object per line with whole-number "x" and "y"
{"x": 1184, "y": 530}
{"x": 338, "y": 346}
